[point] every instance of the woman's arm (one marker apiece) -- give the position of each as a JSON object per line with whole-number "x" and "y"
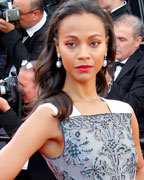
{"x": 140, "y": 164}
{"x": 31, "y": 136}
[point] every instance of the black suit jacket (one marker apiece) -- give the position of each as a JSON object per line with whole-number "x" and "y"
{"x": 18, "y": 51}
{"x": 129, "y": 85}
{"x": 37, "y": 167}
{"x": 121, "y": 11}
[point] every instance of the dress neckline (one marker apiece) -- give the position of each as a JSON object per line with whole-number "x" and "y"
{"x": 76, "y": 112}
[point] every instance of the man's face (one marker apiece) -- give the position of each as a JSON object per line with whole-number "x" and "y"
{"x": 26, "y": 85}
{"x": 126, "y": 44}
{"x": 26, "y": 20}
{"x": 105, "y": 4}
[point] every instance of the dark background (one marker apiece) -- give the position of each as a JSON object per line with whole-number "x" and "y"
{"x": 137, "y": 7}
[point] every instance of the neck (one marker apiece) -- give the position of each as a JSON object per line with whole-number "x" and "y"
{"x": 81, "y": 91}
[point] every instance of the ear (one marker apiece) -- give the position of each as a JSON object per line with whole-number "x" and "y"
{"x": 56, "y": 44}
{"x": 138, "y": 41}
{"x": 36, "y": 15}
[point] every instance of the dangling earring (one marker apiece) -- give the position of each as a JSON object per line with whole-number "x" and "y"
{"x": 58, "y": 62}
{"x": 105, "y": 60}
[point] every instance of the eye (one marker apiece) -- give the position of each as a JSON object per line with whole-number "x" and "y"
{"x": 122, "y": 39}
{"x": 94, "y": 43}
{"x": 71, "y": 44}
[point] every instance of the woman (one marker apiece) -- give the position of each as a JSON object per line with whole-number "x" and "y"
{"x": 80, "y": 135}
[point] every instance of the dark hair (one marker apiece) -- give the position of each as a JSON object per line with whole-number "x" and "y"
{"x": 50, "y": 79}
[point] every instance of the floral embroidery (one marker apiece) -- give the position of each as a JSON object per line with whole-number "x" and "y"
{"x": 97, "y": 147}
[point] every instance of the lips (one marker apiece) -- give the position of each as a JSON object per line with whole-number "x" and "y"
{"x": 117, "y": 52}
{"x": 84, "y": 68}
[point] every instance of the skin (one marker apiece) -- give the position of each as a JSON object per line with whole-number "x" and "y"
{"x": 4, "y": 106}
{"x": 30, "y": 19}
{"x": 26, "y": 85}
{"x": 27, "y": 20}
{"x": 126, "y": 44}
{"x": 109, "y": 5}
{"x": 77, "y": 46}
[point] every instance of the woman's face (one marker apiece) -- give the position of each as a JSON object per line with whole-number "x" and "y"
{"x": 82, "y": 43}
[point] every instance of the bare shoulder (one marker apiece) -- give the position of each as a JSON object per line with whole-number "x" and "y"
{"x": 44, "y": 111}
{"x": 43, "y": 121}
{"x": 50, "y": 106}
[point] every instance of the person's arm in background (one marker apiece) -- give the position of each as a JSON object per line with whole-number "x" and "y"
{"x": 9, "y": 120}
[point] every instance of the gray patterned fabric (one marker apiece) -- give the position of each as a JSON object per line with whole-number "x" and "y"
{"x": 97, "y": 147}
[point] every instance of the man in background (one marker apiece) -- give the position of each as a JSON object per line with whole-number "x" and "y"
{"x": 36, "y": 167}
{"x": 128, "y": 81}
{"x": 25, "y": 39}
{"x": 116, "y": 8}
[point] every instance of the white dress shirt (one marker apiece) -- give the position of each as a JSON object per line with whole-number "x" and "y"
{"x": 118, "y": 7}
{"x": 119, "y": 68}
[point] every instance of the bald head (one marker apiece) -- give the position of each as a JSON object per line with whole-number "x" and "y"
{"x": 31, "y": 12}
{"x": 29, "y": 4}
{"x": 22, "y": 4}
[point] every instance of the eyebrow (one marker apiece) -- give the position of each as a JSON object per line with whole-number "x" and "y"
{"x": 121, "y": 37}
{"x": 74, "y": 36}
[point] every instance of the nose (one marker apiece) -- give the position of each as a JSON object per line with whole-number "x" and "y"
{"x": 117, "y": 42}
{"x": 19, "y": 87}
{"x": 84, "y": 52}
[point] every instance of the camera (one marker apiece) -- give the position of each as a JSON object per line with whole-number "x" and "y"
{"x": 9, "y": 89}
{"x": 8, "y": 13}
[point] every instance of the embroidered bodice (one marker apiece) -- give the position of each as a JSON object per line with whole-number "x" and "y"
{"x": 97, "y": 147}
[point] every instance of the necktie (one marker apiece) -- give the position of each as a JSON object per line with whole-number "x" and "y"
{"x": 117, "y": 64}
{"x": 24, "y": 33}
